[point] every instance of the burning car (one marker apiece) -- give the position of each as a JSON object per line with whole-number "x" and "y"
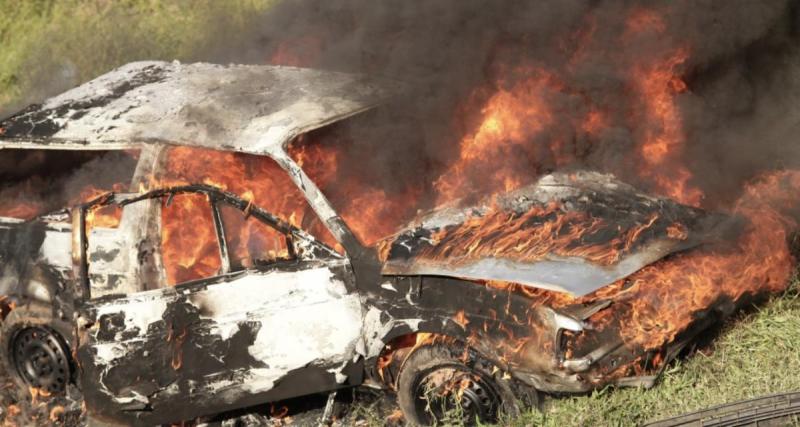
{"x": 165, "y": 300}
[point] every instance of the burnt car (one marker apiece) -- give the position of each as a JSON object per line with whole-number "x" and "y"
{"x": 469, "y": 310}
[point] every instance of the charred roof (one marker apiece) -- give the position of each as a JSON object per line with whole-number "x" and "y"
{"x": 246, "y": 108}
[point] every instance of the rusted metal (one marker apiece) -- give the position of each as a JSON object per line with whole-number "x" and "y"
{"x": 774, "y": 410}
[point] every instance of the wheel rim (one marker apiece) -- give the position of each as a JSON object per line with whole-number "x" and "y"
{"x": 40, "y": 359}
{"x": 449, "y": 392}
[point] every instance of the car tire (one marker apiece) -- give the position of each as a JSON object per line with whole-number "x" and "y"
{"x": 34, "y": 350}
{"x": 441, "y": 384}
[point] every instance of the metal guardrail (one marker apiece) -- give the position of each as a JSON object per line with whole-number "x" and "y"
{"x": 775, "y": 410}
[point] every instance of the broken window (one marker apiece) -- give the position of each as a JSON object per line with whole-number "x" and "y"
{"x": 252, "y": 177}
{"x": 189, "y": 245}
{"x": 34, "y": 182}
{"x": 252, "y": 243}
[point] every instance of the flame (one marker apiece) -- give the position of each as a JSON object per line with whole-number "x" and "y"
{"x": 23, "y": 210}
{"x": 395, "y": 418}
{"x": 189, "y": 242}
{"x": 510, "y": 119}
{"x": 653, "y": 306}
{"x": 370, "y": 212}
{"x": 665, "y": 298}
{"x": 540, "y": 231}
{"x": 512, "y": 129}
{"x": 278, "y": 412}
{"x": 56, "y": 414}
{"x": 299, "y": 52}
{"x": 13, "y": 411}
{"x": 36, "y": 393}
{"x": 663, "y": 138}
{"x": 106, "y": 216}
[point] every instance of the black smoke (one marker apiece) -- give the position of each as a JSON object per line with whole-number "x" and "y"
{"x": 740, "y": 112}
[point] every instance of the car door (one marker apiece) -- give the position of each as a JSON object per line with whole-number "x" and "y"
{"x": 246, "y": 320}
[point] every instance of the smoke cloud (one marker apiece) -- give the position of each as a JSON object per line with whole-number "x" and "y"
{"x": 739, "y": 112}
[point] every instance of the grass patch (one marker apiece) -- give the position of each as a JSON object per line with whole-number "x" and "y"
{"x": 48, "y": 46}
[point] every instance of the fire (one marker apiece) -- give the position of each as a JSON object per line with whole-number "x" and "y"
{"x": 665, "y": 297}
{"x": 22, "y": 210}
{"x": 56, "y": 414}
{"x": 653, "y": 306}
{"x": 370, "y": 212}
{"x": 36, "y": 393}
{"x": 524, "y": 121}
{"x": 189, "y": 242}
{"x": 105, "y": 217}
{"x": 278, "y": 412}
{"x": 510, "y": 120}
{"x": 541, "y": 230}
{"x": 300, "y": 52}
{"x": 663, "y": 137}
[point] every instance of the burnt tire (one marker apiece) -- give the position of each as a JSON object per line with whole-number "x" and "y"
{"x": 440, "y": 384}
{"x": 34, "y": 350}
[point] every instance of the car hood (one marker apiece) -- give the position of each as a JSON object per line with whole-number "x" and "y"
{"x": 568, "y": 232}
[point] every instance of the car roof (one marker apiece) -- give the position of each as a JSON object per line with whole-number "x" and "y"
{"x": 253, "y": 109}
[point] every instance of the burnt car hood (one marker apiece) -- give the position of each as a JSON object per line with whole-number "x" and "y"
{"x": 568, "y": 232}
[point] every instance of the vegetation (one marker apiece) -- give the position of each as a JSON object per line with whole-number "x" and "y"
{"x": 47, "y": 46}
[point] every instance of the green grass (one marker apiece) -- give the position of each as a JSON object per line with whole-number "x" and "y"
{"x": 47, "y": 46}
{"x": 757, "y": 354}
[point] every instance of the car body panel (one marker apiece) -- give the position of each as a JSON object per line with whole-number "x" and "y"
{"x": 610, "y": 216}
{"x": 221, "y": 339}
{"x": 253, "y": 109}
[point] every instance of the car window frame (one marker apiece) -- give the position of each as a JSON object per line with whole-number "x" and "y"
{"x": 215, "y": 197}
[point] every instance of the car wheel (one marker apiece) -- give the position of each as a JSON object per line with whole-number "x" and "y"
{"x": 34, "y": 351}
{"x": 439, "y": 384}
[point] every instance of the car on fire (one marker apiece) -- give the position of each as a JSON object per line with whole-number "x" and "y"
{"x": 449, "y": 324}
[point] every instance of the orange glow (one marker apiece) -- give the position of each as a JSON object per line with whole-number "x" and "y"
{"x": 370, "y": 212}
{"x": 300, "y": 52}
{"x": 641, "y": 20}
{"x": 189, "y": 241}
{"x": 22, "y": 210}
{"x": 651, "y": 307}
{"x": 510, "y": 235}
{"x": 56, "y": 414}
{"x": 511, "y": 117}
{"x": 663, "y": 139}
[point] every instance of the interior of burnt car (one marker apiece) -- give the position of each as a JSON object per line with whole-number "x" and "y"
{"x": 204, "y": 233}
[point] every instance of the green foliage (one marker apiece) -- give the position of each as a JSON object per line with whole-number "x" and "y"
{"x": 50, "y": 45}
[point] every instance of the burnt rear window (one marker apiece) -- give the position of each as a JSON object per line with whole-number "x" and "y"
{"x": 33, "y": 182}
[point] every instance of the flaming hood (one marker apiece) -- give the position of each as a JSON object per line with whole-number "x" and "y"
{"x": 568, "y": 232}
